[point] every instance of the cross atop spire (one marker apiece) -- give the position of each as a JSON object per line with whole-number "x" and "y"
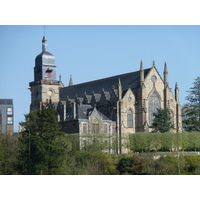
{"x": 44, "y": 29}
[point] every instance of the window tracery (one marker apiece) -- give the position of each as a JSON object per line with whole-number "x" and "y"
{"x": 130, "y": 118}
{"x": 154, "y": 104}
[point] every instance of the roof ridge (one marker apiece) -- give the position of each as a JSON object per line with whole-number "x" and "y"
{"x": 109, "y": 77}
{"x": 128, "y": 80}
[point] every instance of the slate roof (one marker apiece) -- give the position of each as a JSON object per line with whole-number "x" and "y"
{"x": 131, "y": 80}
{"x": 107, "y": 94}
{"x": 85, "y": 110}
{"x": 6, "y": 102}
{"x": 44, "y": 58}
{"x": 97, "y": 97}
{"x": 103, "y": 116}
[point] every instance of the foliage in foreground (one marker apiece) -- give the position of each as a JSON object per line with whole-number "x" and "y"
{"x": 173, "y": 165}
{"x": 43, "y": 149}
{"x": 8, "y": 154}
{"x": 40, "y": 146}
{"x": 140, "y": 142}
{"x": 92, "y": 161}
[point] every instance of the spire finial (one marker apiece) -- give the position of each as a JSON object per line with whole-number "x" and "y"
{"x": 141, "y": 74}
{"x": 165, "y": 74}
{"x": 119, "y": 89}
{"x": 176, "y": 92}
{"x": 154, "y": 63}
{"x": 176, "y": 86}
{"x": 70, "y": 81}
{"x": 141, "y": 65}
{"x": 119, "y": 82}
{"x": 165, "y": 68}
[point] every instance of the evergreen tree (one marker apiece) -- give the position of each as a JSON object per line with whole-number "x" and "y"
{"x": 162, "y": 121}
{"x": 191, "y": 110}
{"x": 8, "y": 153}
{"x": 41, "y": 148}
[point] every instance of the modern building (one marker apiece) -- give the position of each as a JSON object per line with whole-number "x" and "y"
{"x": 116, "y": 106}
{"x": 6, "y": 115}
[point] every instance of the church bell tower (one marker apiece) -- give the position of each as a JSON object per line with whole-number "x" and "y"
{"x": 45, "y": 87}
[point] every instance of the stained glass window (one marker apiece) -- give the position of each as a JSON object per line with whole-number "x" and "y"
{"x": 130, "y": 118}
{"x": 154, "y": 103}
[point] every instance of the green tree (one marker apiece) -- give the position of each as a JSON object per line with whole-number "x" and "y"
{"x": 167, "y": 141}
{"x": 191, "y": 110}
{"x": 41, "y": 147}
{"x": 162, "y": 121}
{"x": 131, "y": 165}
{"x": 192, "y": 164}
{"x": 138, "y": 142}
{"x": 8, "y": 153}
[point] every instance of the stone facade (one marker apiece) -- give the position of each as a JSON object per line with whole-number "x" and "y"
{"x": 44, "y": 91}
{"x": 116, "y": 106}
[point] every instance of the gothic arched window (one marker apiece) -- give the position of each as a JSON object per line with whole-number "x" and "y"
{"x": 95, "y": 126}
{"x": 154, "y": 103}
{"x": 130, "y": 118}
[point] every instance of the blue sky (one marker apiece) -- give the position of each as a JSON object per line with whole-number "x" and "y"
{"x": 94, "y": 52}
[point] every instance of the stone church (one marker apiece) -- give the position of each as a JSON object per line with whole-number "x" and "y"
{"x": 115, "y": 106}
